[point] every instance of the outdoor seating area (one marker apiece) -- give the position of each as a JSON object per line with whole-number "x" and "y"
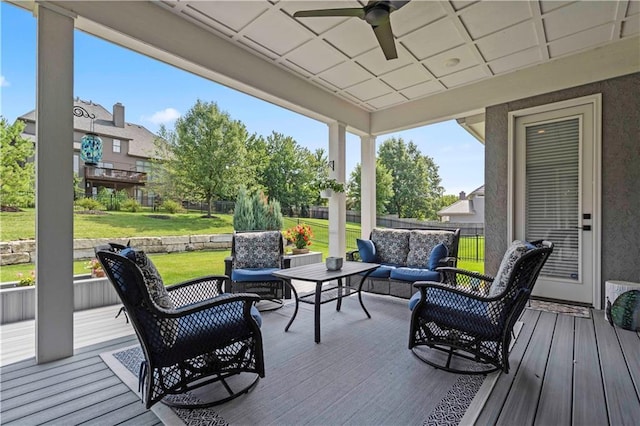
{"x": 405, "y": 256}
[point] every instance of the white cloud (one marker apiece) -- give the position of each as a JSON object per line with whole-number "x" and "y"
{"x": 164, "y": 116}
{"x": 4, "y": 82}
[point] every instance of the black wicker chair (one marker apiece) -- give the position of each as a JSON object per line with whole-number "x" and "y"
{"x": 254, "y": 256}
{"x": 465, "y": 325}
{"x": 197, "y": 336}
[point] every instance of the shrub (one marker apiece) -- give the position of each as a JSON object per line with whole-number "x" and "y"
{"x": 90, "y": 204}
{"x": 243, "y": 218}
{"x": 274, "y": 216}
{"x": 171, "y": 206}
{"x": 26, "y": 280}
{"x": 260, "y": 210}
{"x": 131, "y": 205}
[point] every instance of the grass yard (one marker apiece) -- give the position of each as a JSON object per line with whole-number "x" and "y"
{"x": 174, "y": 267}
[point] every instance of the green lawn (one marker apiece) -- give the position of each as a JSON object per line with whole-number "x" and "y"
{"x": 174, "y": 267}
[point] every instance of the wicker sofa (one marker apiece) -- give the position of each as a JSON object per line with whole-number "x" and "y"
{"x": 405, "y": 256}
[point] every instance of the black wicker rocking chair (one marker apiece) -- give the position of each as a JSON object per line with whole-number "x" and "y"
{"x": 196, "y": 336}
{"x": 465, "y": 325}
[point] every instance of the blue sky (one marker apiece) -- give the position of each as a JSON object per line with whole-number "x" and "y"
{"x": 154, "y": 93}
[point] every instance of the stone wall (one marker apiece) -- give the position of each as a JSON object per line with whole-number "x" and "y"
{"x": 24, "y": 251}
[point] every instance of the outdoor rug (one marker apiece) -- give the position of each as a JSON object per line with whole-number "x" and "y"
{"x": 360, "y": 373}
{"x": 559, "y": 308}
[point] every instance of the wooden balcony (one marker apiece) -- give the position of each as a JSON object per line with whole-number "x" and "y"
{"x": 101, "y": 174}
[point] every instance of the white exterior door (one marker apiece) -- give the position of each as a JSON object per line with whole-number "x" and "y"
{"x": 555, "y": 194}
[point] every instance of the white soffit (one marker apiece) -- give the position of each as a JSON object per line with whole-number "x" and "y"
{"x": 442, "y": 46}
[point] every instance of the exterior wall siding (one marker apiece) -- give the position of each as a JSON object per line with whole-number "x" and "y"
{"x": 620, "y": 222}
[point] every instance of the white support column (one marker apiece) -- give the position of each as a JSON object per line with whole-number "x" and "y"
{"x": 54, "y": 185}
{"x": 337, "y": 202}
{"x": 367, "y": 185}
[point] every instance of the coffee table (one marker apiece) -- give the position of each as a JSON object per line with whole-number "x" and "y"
{"x": 318, "y": 273}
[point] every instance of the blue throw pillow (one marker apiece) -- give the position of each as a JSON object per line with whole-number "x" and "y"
{"x": 367, "y": 250}
{"x": 438, "y": 252}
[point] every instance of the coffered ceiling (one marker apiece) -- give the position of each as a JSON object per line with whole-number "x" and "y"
{"x": 441, "y": 44}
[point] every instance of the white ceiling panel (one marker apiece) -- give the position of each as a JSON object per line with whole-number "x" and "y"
{"x": 276, "y": 32}
{"x": 631, "y": 26}
{"x": 317, "y": 25}
{"x": 352, "y": 37}
{"x": 407, "y": 76}
{"x": 423, "y": 89}
{"x": 377, "y": 64}
{"x": 451, "y": 61}
{"x": 576, "y": 42}
{"x": 315, "y": 56}
{"x": 510, "y": 40}
{"x": 345, "y": 75}
{"x": 464, "y": 77}
{"x": 387, "y": 100}
{"x": 440, "y": 44}
{"x": 516, "y": 61}
{"x": 415, "y": 15}
{"x": 433, "y": 38}
{"x": 562, "y": 22}
{"x": 369, "y": 89}
{"x": 487, "y": 17}
{"x": 232, "y": 14}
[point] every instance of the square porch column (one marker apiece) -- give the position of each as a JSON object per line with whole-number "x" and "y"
{"x": 367, "y": 185}
{"x": 54, "y": 184}
{"x": 337, "y": 202}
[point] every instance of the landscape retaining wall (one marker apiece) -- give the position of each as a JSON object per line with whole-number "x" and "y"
{"x": 24, "y": 251}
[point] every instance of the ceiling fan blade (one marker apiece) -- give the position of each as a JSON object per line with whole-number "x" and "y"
{"x": 385, "y": 38}
{"x": 356, "y": 11}
{"x": 397, "y": 4}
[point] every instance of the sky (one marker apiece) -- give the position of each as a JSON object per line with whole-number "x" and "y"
{"x": 155, "y": 93}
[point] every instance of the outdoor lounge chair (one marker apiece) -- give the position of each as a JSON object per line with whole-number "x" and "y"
{"x": 254, "y": 257}
{"x": 191, "y": 333}
{"x": 465, "y": 325}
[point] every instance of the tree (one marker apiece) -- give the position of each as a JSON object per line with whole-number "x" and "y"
{"x": 288, "y": 172}
{"x": 416, "y": 183}
{"x": 17, "y": 171}
{"x": 206, "y": 154}
{"x": 243, "y": 219}
{"x": 447, "y": 200}
{"x": 384, "y": 187}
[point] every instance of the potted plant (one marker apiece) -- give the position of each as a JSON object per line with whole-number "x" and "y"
{"x": 300, "y": 236}
{"x": 329, "y": 186}
{"x": 96, "y": 268}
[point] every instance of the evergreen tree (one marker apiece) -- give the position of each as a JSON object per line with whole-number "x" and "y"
{"x": 243, "y": 219}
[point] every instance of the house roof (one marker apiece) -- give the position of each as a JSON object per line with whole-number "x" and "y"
{"x": 460, "y": 207}
{"x": 141, "y": 140}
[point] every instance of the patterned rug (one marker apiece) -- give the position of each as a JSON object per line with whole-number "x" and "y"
{"x": 459, "y": 401}
{"x": 559, "y": 308}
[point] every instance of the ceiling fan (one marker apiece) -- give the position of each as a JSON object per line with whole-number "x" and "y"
{"x": 376, "y": 13}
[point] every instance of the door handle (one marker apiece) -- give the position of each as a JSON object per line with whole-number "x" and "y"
{"x": 585, "y": 227}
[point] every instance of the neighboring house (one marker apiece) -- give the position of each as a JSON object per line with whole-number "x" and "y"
{"x": 468, "y": 209}
{"x": 126, "y": 150}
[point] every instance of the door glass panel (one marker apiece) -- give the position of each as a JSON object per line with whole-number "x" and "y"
{"x": 552, "y": 193}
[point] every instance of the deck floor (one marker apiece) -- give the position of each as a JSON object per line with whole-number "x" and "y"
{"x": 565, "y": 370}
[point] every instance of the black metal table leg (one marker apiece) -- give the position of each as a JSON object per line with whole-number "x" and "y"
{"x": 295, "y": 295}
{"x": 360, "y": 292}
{"x": 339, "y": 304}
{"x": 317, "y": 310}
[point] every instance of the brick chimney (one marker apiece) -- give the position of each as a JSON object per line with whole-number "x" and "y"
{"x": 463, "y": 196}
{"x": 118, "y": 115}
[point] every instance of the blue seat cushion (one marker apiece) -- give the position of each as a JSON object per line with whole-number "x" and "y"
{"x": 383, "y": 271}
{"x": 456, "y": 311}
{"x": 414, "y": 274}
{"x": 254, "y": 274}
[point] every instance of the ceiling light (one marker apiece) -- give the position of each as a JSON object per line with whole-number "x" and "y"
{"x": 452, "y": 62}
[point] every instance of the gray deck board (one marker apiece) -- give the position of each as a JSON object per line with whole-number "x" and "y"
{"x": 622, "y": 401}
{"x": 378, "y": 380}
{"x": 493, "y": 407}
{"x": 556, "y": 388}
{"x": 521, "y": 403}
{"x": 589, "y": 404}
